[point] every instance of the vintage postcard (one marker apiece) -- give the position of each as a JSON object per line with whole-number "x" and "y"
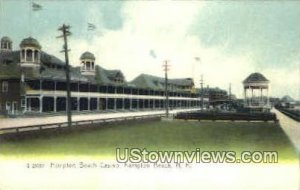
{"x": 161, "y": 94}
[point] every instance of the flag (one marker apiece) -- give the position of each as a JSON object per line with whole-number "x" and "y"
{"x": 152, "y": 53}
{"x": 197, "y": 58}
{"x": 91, "y": 26}
{"x": 36, "y": 7}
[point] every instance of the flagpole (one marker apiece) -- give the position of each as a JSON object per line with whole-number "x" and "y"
{"x": 1, "y": 14}
{"x": 90, "y": 27}
{"x": 30, "y": 17}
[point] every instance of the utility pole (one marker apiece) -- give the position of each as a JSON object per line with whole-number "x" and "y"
{"x": 65, "y": 30}
{"x": 202, "y": 93}
{"x": 229, "y": 97}
{"x": 166, "y": 69}
{"x": 229, "y": 92}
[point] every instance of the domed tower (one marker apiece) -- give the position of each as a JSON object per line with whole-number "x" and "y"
{"x": 6, "y": 44}
{"x": 30, "y": 52}
{"x": 87, "y": 63}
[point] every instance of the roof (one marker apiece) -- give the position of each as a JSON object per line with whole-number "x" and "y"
{"x": 105, "y": 76}
{"x": 87, "y": 55}
{"x": 182, "y": 82}
{"x": 255, "y": 78}
{"x": 287, "y": 99}
{"x": 206, "y": 91}
{"x": 5, "y": 39}
{"x": 14, "y": 57}
{"x": 47, "y": 58}
{"x": 55, "y": 74}
{"x": 158, "y": 83}
{"x": 30, "y": 42}
{"x": 10, "y": 69}
{"x": 114, "y": 73}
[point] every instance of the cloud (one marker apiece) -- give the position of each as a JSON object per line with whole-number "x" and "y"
{"x": 163, "y": 30}
{"x": 268, "y": 30}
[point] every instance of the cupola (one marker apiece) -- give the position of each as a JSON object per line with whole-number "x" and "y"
{"x": 87, "y": 63}
{"x": 30, "y": 52}
{"x": 6, "y": 44}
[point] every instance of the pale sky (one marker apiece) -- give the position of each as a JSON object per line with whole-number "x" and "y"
{"x": 232, "y": 39}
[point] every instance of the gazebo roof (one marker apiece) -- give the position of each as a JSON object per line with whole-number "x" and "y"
{"x": 255, "y": 78}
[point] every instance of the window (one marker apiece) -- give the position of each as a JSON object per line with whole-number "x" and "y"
{"x": 4, "y": 86}
{"x": 36, "y": 55}
{"x": 23, "y": 54}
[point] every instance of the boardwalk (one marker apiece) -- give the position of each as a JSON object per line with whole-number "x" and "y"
{"x": 19, "y": 122}
{"x": 291, "y": 128}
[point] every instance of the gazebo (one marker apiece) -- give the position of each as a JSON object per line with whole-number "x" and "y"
{"x": 256, "y": 93}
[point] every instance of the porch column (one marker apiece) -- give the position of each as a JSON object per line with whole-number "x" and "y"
{"x": 130, "y": 99}
{"x": 115, "y": 99}
{"x": 29, "y": 104}
{"x": 41, "y": 104}
{"x": 98, "y": 102}
{"x": 78, "y": 103}
{"x": 245, "y": 96}
{"x": 25, "y": 108}
{"x": 123, "y": 100}
{"x": 54, "y": 102}
{"x": 251, "y": 96}
{"x": 130, "y": 103}
{"x": 268, "y": 100}
{"x": 106, "y": 103}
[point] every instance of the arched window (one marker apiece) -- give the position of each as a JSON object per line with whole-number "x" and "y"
{"x": 29, "y": 55}
{"x": 82, "y": 65}
{"x": 23, "y": 54}
{"x": 36, "y": 55}
{"x": 88, "y": 65}
{"x": 93, "y": 66}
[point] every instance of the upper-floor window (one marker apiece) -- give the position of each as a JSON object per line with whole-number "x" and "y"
{"x": 4, "y": 86}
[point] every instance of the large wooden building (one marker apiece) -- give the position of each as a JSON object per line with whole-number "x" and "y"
{"x": 33, "y": 81}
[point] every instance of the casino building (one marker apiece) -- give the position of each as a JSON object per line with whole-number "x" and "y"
{"x": 33, "y": 82}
